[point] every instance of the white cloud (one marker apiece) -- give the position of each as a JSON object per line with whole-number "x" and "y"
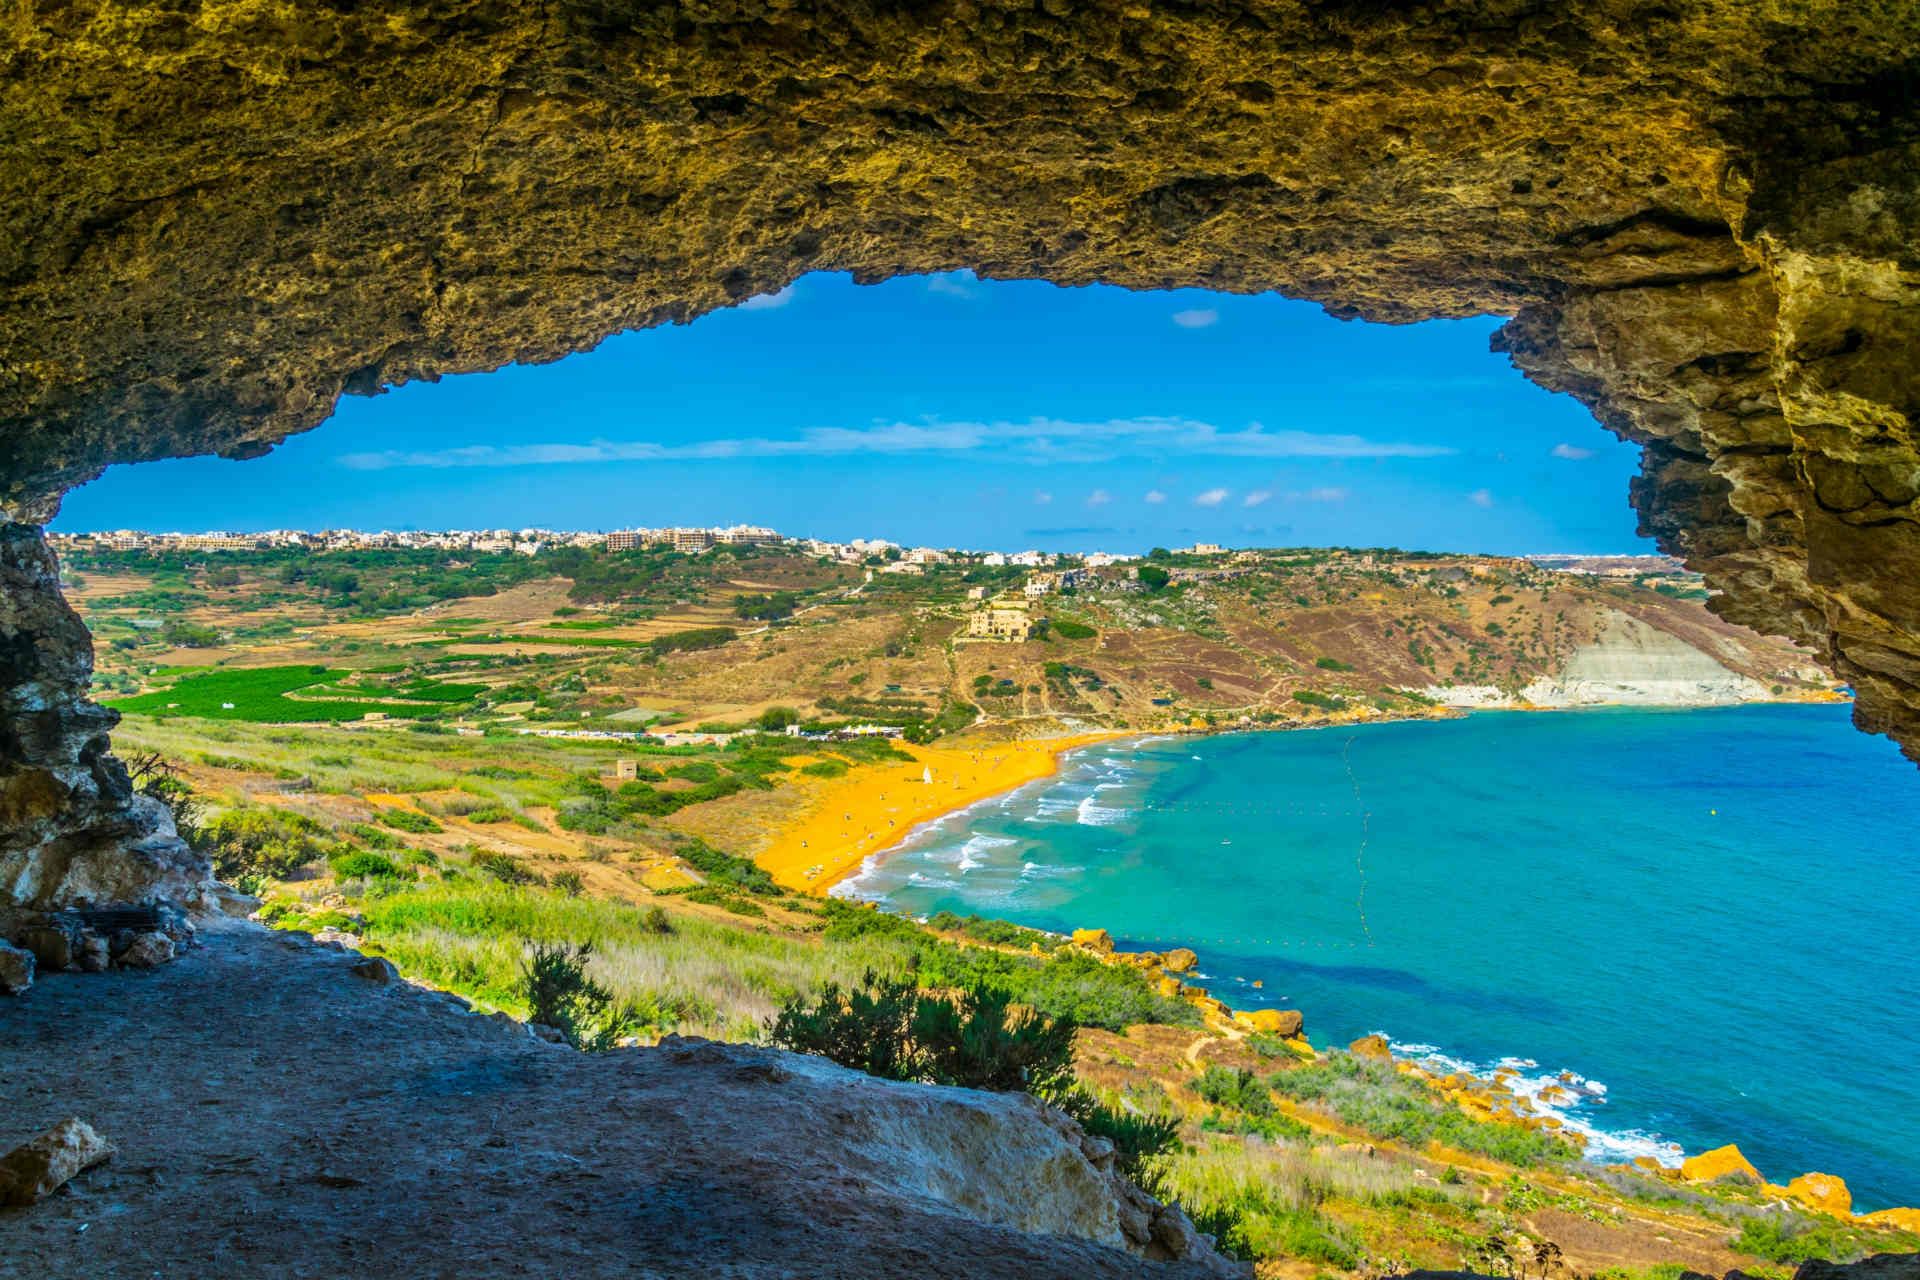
{"x": 768, "y": 301}
{"x": 1480, "y": 498}
{"x": 1257, "y": 497}
{"x": 1099, "y": 498}
{"x": 1212, "y": 498}
{"x": 1326, "y": 493}
{"x": 953, "y": 284}
{"x": 1155, "y": 497}
{"x": 1041, "y": 497}
{"x": 1197, "y": 318}
{"x": 1035, "y": 440}
{"x": 1572, "y": 452}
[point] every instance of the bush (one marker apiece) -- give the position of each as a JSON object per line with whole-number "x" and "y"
{"x": 567, "y": 883}
{"x": 1332, "y": 664}
{"x": 890, "y": 1028}
{"x": 408, "y": 820}
{"x": 502, "y": 868}
{"x": 1242, "y": 1090}
{"x": 252, "y": 846}
{"x": 1795, "y": 1239}
{"x": 354, "y": 864}
{"x": 1068, "y": 629}
{"x": 560, "y": 994}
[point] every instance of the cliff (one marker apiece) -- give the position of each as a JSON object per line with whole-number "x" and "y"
{"x": 1628, "y": 663}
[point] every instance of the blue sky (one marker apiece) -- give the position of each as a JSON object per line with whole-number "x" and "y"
{"x": 955, "y": 411}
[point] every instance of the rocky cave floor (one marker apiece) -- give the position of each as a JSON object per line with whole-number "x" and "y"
{"x": 276, "y": 1115}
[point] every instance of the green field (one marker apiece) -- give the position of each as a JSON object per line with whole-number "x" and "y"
{"x": 292, "y": 695}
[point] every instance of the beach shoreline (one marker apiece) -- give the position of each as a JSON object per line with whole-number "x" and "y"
{"x": 874, "y": 808}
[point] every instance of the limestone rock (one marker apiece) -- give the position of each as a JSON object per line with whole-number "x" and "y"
{"x": 1093, "y": 940}
{"x": 1721, "y": 1162}
{"x": 1178, "y": 960}
{"x": 1375, "y": 1047}
{"x": 147, "y": 951}
{"x": 94, "y": 954}
{"x": 16, "y": 969}
{"x": 1903, "y": 1219}
{"x": 38, "y": 1168}
{"x": 1285, "y": 1023}
{"x": 1823, "y": 1193}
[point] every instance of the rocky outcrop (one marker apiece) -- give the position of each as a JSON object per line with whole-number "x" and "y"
{"x": 72, "y": 828}
{"x": 1703, "y": 218}
{"x": 463, "y": 1136}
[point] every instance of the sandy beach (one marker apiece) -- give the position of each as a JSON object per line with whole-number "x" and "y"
{"x": 847, "y": 820}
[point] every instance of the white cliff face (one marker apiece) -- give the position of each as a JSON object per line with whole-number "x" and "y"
{"x": 1630, "y": 663}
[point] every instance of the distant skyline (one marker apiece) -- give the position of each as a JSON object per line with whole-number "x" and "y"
{"x": 953, "y": 411}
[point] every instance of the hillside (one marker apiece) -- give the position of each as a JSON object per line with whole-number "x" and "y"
{"x": 590, "y": 640}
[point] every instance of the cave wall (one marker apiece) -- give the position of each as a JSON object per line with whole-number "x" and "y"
{"x": 215, "y": 220}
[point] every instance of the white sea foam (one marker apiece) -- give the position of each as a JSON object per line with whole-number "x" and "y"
{"x": 1566, "y": 1096}
{"x": 974, "y": 852}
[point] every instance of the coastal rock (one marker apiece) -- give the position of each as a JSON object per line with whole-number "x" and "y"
{"x": 1180, "y": 960}
{"x": 1093, "y": 940}
{"x": 38, "y": 1168}
{"x": 1285, "y": 1023}
{"x": 1903, "y": 1219}
{"x": 1374, "y": 1047}
{"x": 1823, "y": 1193}
{"x": 1722, "y": 1162}
{"x": 16, "y": 969}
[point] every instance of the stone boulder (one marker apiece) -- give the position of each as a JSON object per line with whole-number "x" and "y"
{"x": 38, "y": 1168}
{"x": 1285, "y": 1023}
{"x": 1375, "y": 1047}
{"x": 1094, "y": 940}
{"x": 1823, "y": 1193}
{"x": 1178, "y": 960}
{"x": 16, "y": 969}
{"x": 147, "y": 951}
{"x": 1722, "y": 1162}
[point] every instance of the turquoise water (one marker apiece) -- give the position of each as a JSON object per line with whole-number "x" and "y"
{"x": 1708, "y": 916}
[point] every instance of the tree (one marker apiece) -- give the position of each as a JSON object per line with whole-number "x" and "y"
{"x": 1153, "y": 577}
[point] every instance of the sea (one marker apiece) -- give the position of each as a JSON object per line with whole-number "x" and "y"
{"x": 1708, "y": 919}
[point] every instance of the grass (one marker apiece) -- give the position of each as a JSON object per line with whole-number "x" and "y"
{"x": 1373, "y": 1097}
{"x": 1794, "y": 1238}
{"x": 260, "y": 695}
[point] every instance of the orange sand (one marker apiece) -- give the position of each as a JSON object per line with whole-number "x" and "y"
{"x": 847, "y": 820}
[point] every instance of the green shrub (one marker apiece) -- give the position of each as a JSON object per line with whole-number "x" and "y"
{"x": 1332, "y": 664}
{"x": 567, "y": 883}
{"x": 890, "y": 1028}
{"x": 502, "y": 868}
{"x": 1242, "y": 1090}
{"x": 825, "y": 769}
{"x": 355, "y": 864}
{"x": 408, "y": 820}
{"x": 254, "y": 845}
{"x": 1795, "y": 1239}
{"x": 560, "y": 994}
{"x": 1068, "y": 629}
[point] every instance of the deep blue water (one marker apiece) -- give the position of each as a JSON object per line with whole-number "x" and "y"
{"x": 1711, "y": 914}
